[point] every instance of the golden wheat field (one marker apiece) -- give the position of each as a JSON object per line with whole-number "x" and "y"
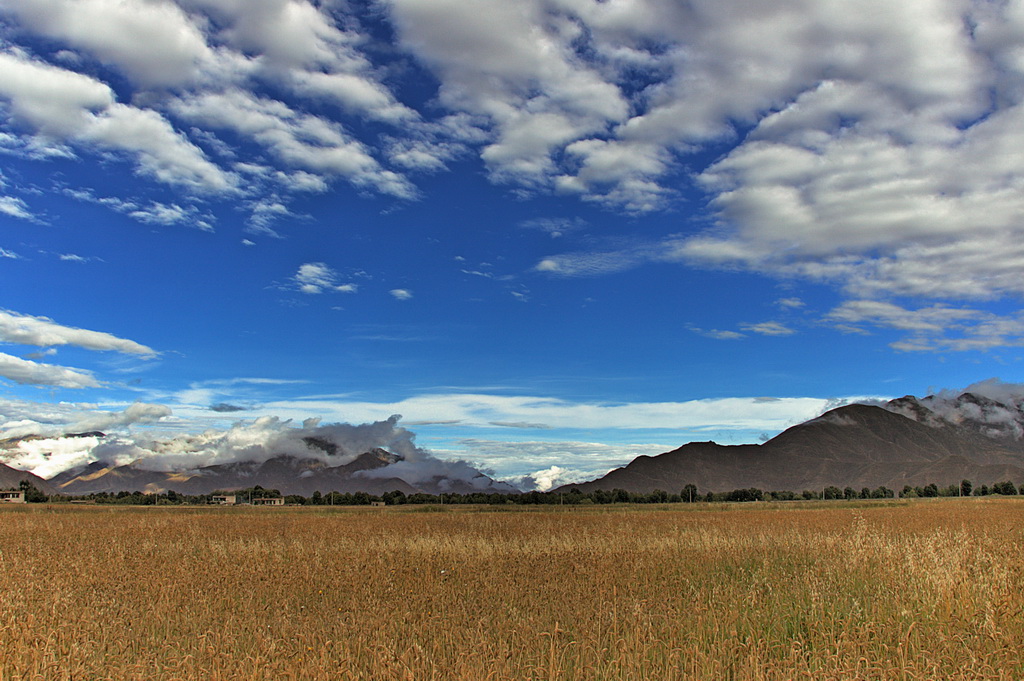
{"x": 883, "y": 590}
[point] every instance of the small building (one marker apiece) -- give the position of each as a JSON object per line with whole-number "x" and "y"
{"x": 379, "y": 504}
{"x": 224, "y": 499}
{"x": 12, "y": 496}
{"x": 268, "y": 501}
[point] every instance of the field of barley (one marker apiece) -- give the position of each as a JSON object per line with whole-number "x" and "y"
{"x": 923, "y": 589}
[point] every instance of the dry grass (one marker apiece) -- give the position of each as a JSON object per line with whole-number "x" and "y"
{"x": 923, "y": 590}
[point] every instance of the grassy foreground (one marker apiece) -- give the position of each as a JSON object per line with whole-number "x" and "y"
{"x": 912, "y": 590}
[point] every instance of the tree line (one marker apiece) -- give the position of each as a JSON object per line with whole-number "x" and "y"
{"x": 572, "y": 496}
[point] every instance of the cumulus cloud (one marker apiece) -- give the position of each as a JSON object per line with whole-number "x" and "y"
{"x": 48, "y": 456}
{"x": 873, "y": 151}
{"x": 251, "y": 441}
{"x": 994, "y": 405}
{"x": 154, "y": 43}
{"x": 317, "y": 277}
{"x": 76, "y": 108}
{"x": 552, "y": 477}
{"x": 890, "y": 175}
{"x": 139, "y": 412}
{"x": 53, "y": 420}
{"x": 552, "y": 464}
{"x": 297, "y": 139}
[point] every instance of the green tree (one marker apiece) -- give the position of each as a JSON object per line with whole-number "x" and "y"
{"x": 965, "y": 488}
{"x": 1005, "y": 488}
{"x": 32, "y": 495}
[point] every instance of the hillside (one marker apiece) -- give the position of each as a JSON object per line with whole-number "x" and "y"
{"x": 11, "y": 478}
{"x": 288, "y": 474}
{"x": 856, "y": 446}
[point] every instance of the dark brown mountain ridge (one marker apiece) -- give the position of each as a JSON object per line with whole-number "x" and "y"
{"x": 906, "y": 442}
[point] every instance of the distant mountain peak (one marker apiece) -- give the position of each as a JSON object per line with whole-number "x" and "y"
{"x": 286, "y": 473}
{"x": 319, "y": 443}
{"x": 906, "y": 441}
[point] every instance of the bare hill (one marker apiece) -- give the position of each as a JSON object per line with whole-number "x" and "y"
{"x": 856, "y": 445}
{"x": 11, "y": 478}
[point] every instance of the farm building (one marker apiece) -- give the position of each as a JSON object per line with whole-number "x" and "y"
{"x": 268, "y": 501}
{"x": 223, "y": 499}
{"x": 12, "y": 496}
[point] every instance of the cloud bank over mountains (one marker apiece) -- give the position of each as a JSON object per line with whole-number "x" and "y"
{"x": 134, "y": 436}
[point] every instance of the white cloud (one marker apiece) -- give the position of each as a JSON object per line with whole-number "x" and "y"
{"x": 297, "y": 139}
{"x": 153, "y": 213}
{"x": 789, "y": 303}
{"x": 154, "y": 43}
{"x": 14, "y": 207}
{"x": 718, "y": 334}
{"x": 50, "y": 455}
{"x": 873, "y": 150}
{"x": 27, "y": 372}
{"x": 43, "y": 332}
{"x": 138, "y": 412}
{"x": 317, "y": 277}
{"x": 552, "y": 477}
{"x": 597, "y": 263}
{"x": 514, "y": 64}
{"x": 768, "y": 329}
{"x": 933, "y": 328}
{"x": 401, "y": 294}
{"x": 556, "y": 227}
{"x": 71, "y": 107}
{"x": 353, "y": 91}
{"x": 483, "y": 410}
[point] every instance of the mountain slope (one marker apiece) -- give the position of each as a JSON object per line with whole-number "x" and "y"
{"x": 856, "y": 445}
{"x": 288, "y": 474}
{"x": 11, "y": 478}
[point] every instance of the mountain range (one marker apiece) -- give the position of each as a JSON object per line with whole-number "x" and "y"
{"x": 285, "y": 473}
{"x": 907, "y": 441}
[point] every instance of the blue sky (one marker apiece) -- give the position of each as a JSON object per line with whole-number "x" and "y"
{"x": 551, "y": 234}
